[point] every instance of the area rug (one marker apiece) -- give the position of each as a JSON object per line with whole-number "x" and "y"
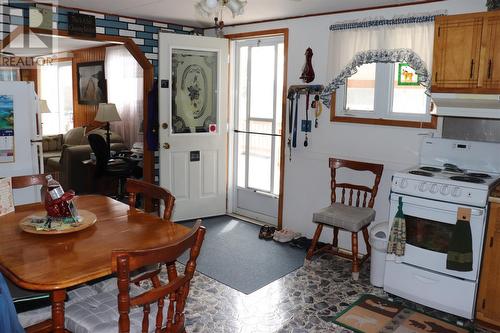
{"x": 233, "y": 254}
{"x": 372, "y": 314}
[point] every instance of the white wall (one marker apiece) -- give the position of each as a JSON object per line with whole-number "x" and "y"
{"x": 307, "y": 176}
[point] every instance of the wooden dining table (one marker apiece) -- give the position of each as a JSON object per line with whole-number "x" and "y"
{"x": 54, "y": 263}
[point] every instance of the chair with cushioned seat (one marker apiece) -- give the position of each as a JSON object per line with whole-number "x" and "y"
{"x": 353, "y": 213}
{"x": 127, "y": 308}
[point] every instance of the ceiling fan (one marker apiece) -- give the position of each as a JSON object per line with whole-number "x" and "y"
{"x": 6, "y": 54}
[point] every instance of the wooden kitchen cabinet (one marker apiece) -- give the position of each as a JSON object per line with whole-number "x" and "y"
{"x": 490, "y": 76}
{"x": 457, "y": 45}
{"x": 488, "y": 299}
{"x": 466, "y": 53}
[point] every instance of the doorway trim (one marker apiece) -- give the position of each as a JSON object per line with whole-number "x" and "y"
{"x": 135, "y": 51}
{"x": 270, "y": 33}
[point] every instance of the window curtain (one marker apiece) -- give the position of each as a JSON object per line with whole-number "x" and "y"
{"x": 56, "y": 87}
{"x": 124, "y": 77}
{"x": 9, "y": 74}
{"x": 352, "y": 44}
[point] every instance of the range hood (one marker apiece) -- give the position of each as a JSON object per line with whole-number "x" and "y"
{"x": 466, "y": 105}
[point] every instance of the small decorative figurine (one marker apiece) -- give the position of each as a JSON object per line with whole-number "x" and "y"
{"x": 59, "y": 204}
{"x": 62, "y": 207}
{"x": 308, "y": 71}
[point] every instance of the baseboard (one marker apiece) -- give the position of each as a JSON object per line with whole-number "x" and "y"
{"x": 247, "y": 219}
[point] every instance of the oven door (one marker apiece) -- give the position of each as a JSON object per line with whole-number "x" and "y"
{"x": 429, "y": 226}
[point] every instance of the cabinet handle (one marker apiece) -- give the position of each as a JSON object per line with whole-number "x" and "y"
{"x": 471, "y": 68}
{"x": 489, "y": 68}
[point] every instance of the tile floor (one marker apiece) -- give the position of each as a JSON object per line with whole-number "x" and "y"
{"x": 303, "y": 301}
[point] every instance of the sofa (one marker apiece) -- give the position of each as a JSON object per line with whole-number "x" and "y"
{"x": 64, "y": 153}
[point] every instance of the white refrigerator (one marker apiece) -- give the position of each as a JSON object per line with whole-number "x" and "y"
{"x": 21, "y": 150}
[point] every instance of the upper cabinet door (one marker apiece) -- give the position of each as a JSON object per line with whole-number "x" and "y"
{"x": 490, "y": 70}
{"x": 457, "y": 45}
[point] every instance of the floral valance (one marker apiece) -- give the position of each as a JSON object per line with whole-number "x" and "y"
{"x": 384, "y": 56}
{"x": 401, "y": 39}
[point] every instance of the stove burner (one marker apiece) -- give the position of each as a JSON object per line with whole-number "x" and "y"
{"x": 431, "y": 169}
{"x": 468, "y": 179}
{"x": 421, "y": 173}
{"x": 478, "y": 175}
{"x": 452, "y": 168}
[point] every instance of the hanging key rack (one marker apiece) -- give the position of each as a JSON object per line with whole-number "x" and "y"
{"x": 294, "y": 93}
{"x": 303, "y": 89}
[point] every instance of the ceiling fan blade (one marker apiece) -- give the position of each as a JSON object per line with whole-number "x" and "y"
{"x": 7, "y": 54}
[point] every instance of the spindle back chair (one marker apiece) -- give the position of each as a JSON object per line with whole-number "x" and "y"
{"x": 360, "y": 199}
{"x": 125, "y": 261}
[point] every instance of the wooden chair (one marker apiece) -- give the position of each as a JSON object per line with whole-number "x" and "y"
{"x": 133, "y": 187}
{"x": 91, "y": 314}
{"x": 23, "y": 298}
{"x": 32, "y": 180}
{"x": 353, "y": 213}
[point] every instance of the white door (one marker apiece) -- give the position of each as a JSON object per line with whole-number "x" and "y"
{"x": 258, "y": 98}
{"x": 193, "y": 74}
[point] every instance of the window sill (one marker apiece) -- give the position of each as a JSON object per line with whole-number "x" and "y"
{"x": 385, "y": 122}
{"x": 432, "y": 124}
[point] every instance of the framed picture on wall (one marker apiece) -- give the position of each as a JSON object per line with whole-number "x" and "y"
{"x": 91, "y": 83}
{"x": 407, "y": 75}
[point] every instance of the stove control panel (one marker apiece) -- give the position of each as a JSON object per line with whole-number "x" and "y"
{"x": 439, "y": 191}
{"x": 445, "y": 189}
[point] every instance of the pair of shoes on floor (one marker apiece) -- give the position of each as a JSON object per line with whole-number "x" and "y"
{"x": 267, "y": 232}
{"x": 301, "y": 242}
{"x": 285, "y": 235}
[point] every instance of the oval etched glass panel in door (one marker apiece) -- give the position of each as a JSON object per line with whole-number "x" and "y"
{"x": 194, "y": 91}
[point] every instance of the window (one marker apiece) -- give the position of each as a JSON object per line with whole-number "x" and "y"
{"x": 9, "y": 74}
{"x": 360, "y": 92}
{"x": 384, "y": 91}
{"x": 56, "y": 86}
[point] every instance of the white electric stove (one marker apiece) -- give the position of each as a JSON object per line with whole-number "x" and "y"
{"x": 451, "y": 174}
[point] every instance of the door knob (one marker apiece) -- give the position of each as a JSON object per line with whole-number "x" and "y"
{"x": 164, "y": 125}
{"x": 166, "y": 145}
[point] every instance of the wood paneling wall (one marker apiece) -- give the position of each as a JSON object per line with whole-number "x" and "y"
{"x": 83, "y": 115}
{"x": 30, "y": 74}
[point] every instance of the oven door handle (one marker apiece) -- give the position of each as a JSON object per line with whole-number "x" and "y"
{"x": 474, "y": 211}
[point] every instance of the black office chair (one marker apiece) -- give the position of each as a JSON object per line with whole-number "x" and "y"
{"x": 119, "y": 167}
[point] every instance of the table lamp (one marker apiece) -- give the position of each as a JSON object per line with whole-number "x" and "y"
{"x": 106, "y": 113}
{"x": 42, "y": 108}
